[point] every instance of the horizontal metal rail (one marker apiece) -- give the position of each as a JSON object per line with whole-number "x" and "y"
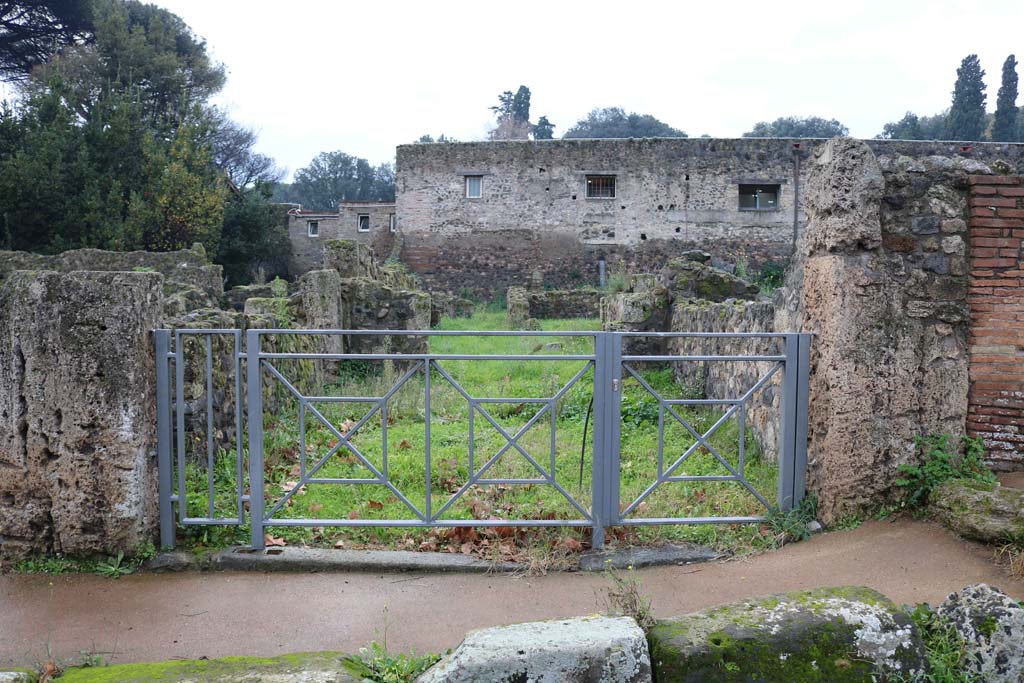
{"x": 252, "y": 371}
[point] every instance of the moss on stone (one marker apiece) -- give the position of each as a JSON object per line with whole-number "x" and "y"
{"x": 226, "y": 670}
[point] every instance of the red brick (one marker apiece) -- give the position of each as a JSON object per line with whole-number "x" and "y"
{"x": 1011, "y": 191}
{"x": 995, "y": 262}
{"x": 993, "y": 180}
{"x": 995, "y": 242}
{"x": 1011, "y": 213}
{"x": 982, "y": 189}
{"x": 985, "y": 202}
{"x": 986, "y": 232}
{"x": 998, "y": 222}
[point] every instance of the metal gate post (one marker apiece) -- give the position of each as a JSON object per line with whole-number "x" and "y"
{"x": 605, "y": 483}
{"x": 164, "y": 466}
{"x": 254, "y": 407}
{"x": 793, "y": 435}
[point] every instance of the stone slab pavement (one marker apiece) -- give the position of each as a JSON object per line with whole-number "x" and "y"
{"x": 152, "y": 617}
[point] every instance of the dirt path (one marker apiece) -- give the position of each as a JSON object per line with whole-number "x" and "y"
{"x": 157, "y": 617}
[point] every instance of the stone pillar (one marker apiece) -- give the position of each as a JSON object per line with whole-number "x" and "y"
{"x": 996, "y": 404}
{"x": 77, "y": 411}
{"x": 881, "y": 279}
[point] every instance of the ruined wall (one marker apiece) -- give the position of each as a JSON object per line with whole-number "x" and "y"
{"x": 996, "y": 296}
{"x": 77, "y": 412}
{"x": 561, "y": 304}
{"x": 671, "y": 195}
{"x": 308, "y": 250}
{"x": 881, "y": 279}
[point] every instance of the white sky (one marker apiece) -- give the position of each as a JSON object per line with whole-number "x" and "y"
{"x": 363, "y": 77}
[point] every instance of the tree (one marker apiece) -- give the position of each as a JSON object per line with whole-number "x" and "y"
{"x": 798, "y": 127}
{"x": 967, "y": 113}
{"x": 613, "y": 122}
{"x": 335, "y": 177}
{"x": 513, "y": 106}
{"x": 510, "y": 129}
{"x": 32, "y": 32}
{"x": 233, "y": 152}
{"x": 1004, "y": 126}
{"x": 254, "y": 239}
{"x": 907, "y": 128}
{"x": 543, "y": 129}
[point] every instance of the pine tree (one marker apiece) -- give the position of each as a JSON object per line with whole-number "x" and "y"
{"x": 967, "y": 114}
{"x": 1004, "y": 127}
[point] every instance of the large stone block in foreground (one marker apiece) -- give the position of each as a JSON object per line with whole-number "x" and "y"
{"x": 582, "y": 650}
{"x": 991, "y": 625}
{"x": 831, "y": 634}
{"x": 77, "y": 411}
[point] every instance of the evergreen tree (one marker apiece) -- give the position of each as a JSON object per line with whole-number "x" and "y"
{"x": 907, "y": 128}
{"x": 521, "y": 105}
{"x": 1004, "y": 126}
{"x": 798, "y": 127}
{"x": 543, "y": 129}
{"x": 614, "y": 122}
{"x": 967, "y": 113}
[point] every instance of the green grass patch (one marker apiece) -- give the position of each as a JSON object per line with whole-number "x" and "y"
{"x": 515, "y": 392}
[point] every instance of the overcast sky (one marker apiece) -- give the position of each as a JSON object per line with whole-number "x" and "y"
{"x": 363, "y": 77}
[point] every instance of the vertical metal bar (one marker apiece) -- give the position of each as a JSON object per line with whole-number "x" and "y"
{"x": 743, "y": 441}
{"x": 384, "y": 438}
{"x": 661, "y": 439}
{"x": 209, "y": 425}
{"x": 162, "y": 347}
{"x": 239, "y": 465}
{"x": 426, "y": 434}
{"x": 302, "y": 438}
{"x": 472, "y": 440}
{"x": 255, "y": 408}
{"x": 552, "y": 409}
{"x": 614, "y": 407}
{"x": 600, "y": 442}
{"x": 179, "y": 415}
{"x": 787, "y": 433}
{"x": 802, "y": 402}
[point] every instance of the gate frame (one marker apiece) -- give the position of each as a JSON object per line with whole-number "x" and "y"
{"x": 607, "y": 421}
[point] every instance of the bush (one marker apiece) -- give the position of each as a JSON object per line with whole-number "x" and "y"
{"x": 939, "y": 464}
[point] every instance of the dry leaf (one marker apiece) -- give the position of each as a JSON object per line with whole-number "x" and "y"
{"x": 271, "y": 541}
{"x": 289, "y": 485}
{"x": 571, "y": 544}
{"x": 375, "y": 505}
{"x": 404, "y": 445}
{"x": 354, "y": 514}
{"x": 346, "y": 427}
{"x": 339, "y": 545}
{"x": 315, "y": 507}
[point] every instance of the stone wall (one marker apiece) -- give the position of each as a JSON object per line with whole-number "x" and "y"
{"x": 672, "y": 195}
{"x": 996, "y": 296}
{"x": 308, "y": 250}
{"x": 881, "y": 279}
{"x": 77, "y": 411}
{"x": 562, "y": 304}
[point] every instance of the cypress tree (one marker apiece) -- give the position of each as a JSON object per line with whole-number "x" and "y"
{"x": 967, "y": 114}
{"x": 1004, "y": 128}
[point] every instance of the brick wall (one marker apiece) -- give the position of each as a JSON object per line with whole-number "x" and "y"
{"x": 996, "y": 296}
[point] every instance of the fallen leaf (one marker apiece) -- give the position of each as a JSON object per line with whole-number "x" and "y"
{"x": 346, "y": 427}
{"x": 375, "y": 505}
{"x": 571, "y": 544}
{"x": 315, "y": 507}
{"x": 271, "y": 541}
{"x": 339, "y": 545}
{"x": 404, "y": 445}
{"x": 354, "y": 514}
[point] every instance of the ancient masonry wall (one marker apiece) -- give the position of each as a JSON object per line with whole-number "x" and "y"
{"x": 308, "y": 250}
{"x": 671, "y": 195}
{"x": 996, "y": 296}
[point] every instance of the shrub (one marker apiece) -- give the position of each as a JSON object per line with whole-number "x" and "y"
{"x": 939, "y": 463}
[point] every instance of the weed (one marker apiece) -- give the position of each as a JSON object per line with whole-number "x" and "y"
{"x": 771, "y": 276}
{"x": 618, "y": 281}
{"x": 944, "y": 649}
{"x": 378, "y": 665}
{"x": 940, "y": 463}
{"x": 792, "y": 524}
{"x": 57, "y": 564}
{"x": 1012, "y": 555}
{"x": 114, "y": 567}
{"x": 623, "y": 598}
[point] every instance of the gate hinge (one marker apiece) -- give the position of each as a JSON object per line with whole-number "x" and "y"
{"x": 615, "y": 385}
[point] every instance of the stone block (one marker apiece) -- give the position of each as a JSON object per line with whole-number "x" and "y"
{"x": 583, "y": 650}
{"x": 991, "y": 625}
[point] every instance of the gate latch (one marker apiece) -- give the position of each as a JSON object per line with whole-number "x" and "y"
{"x": 615, "y": 385}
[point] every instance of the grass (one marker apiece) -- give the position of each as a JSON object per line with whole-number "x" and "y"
{"x": 404, "y": 429}
{"x": 109, "y": 566}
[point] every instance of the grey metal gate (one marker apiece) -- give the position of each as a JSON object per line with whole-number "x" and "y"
{"x": 786, "y": 370}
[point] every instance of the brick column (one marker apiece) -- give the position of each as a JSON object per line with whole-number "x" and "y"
{"x": 996, "y": 297}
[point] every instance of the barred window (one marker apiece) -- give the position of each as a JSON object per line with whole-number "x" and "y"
{"x": 600, "y": 187}
{"x": 759, "y": 197}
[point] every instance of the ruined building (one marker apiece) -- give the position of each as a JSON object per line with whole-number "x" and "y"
{"x": 484, "y": 215}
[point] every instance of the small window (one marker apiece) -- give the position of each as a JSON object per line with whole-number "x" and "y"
{"x": 600, "y": 187}
{"x": 759, "y": 197}
{"x": 474, "y": 184}
{"x": 364, "y": 222}
{"x": 391, "y": 222}
{"x": 313, "y": 228}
